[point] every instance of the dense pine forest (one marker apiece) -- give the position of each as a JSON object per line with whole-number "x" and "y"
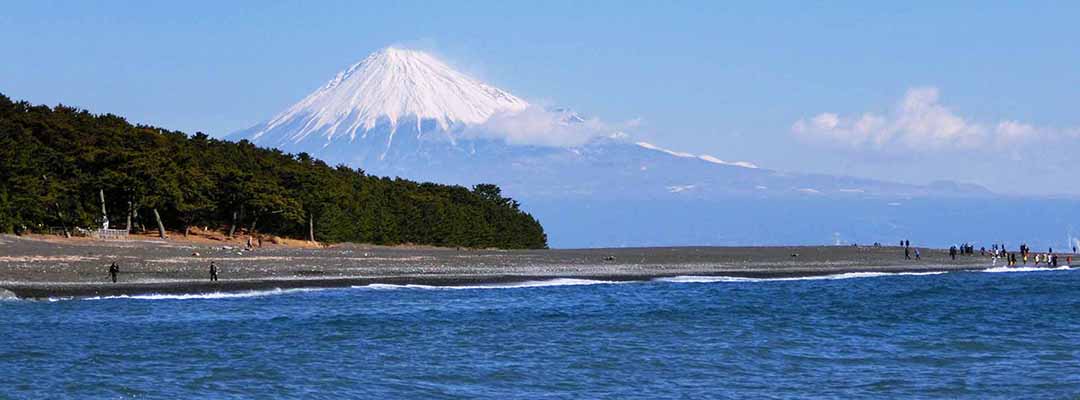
{"x": 60, "y": 167}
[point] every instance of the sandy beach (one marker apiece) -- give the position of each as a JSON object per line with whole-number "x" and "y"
{"x": 43, "y": 267}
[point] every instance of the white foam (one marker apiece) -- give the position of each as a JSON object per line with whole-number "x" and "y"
{"x": 1025, "y": 269}
{"x": 846, "y": 275}
{"x": 198, "y": 296}
{"x": 517, "y": 285}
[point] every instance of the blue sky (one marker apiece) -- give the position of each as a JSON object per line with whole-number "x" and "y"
{"x": 981, "y": 92}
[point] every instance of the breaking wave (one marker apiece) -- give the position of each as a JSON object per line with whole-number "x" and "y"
{"x": 196, "y": 296}
{"x": 846, "y": 275}
{"x": 516, "y": 285}
{"x": 1025, "y": 269}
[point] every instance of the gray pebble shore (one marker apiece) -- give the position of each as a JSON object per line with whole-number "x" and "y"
{"x": 39, "y": 268}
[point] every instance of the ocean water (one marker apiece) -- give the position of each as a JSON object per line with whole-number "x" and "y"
{"x": 952, "y": 335}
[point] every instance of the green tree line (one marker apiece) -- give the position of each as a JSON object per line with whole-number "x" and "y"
{"x": 65, "y": 167}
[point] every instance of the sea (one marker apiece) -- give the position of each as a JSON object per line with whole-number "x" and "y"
{"x": 995, "y": 334}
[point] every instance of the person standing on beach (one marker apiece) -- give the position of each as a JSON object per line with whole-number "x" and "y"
{"x": 907, "y": 253}
{"x": 917, "y": 255}
{"x": 114, "y": 270}
{"x": 213, "y": 272}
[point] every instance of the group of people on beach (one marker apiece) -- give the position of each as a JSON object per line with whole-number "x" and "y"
{"x": 998, "y": 251}
{"x": 965, "y": 249}
{"x": 114, "y": 272}
{"x": 1012, "y": 259}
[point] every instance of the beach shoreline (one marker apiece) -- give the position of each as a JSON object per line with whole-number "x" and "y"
{"x": 37, "y": 268}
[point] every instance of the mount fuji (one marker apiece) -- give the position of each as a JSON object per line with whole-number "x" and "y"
{"x": 405, "y": 113}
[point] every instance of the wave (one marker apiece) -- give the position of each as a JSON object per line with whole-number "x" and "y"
{"x": 195, "y": 296}
{"x": 1025, "y": 269}
{"x": 516, "y": 285}
{"x": 846, "y": 275}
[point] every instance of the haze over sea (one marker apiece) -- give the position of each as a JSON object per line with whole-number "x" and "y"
{"x": 942, "y": 335}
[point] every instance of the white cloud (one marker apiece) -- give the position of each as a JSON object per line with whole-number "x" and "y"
{"x": 680, "y": 188}
{"x": 919, "y": 121}
{"x": 1013, "y": 132}
{"x": 537, "y": 126}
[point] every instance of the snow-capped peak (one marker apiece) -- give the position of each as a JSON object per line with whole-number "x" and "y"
{"x": 389, "y": 86}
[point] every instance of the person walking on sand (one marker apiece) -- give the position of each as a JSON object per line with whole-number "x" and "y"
{"x": 213, "y": 272}
{"x": 917, "y": 255}
{"x": 907, "y": 253}
{"x": 113, "y": 271}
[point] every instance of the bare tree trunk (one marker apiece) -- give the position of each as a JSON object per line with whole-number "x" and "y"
{"x": 104, "y": 215}
{"x": 160, "y": 226}
{"x": 135, "y": 216}
{"x": 311, "y": 227}
{"x": 60, "y": 216}
{"x": 251, "y": 229}
{"x": 232, "y": 227}
{"x": 131, "y": 208}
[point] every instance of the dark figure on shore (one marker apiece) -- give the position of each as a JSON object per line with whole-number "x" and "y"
{"x": 917, "y": 255}
{"x": 1053, "y": 260}
{"x": 952, "y": 252}
{"x": 113, "y": 271}
{"x": 907, "y": 253}
{"x": 213, "y": 272}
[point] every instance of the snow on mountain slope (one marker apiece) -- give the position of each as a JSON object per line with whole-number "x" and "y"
{"x": 703, "y": 157}
{"x": 389, "y": 88}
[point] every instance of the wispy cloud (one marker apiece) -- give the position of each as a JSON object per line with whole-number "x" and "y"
{"x": 539, "y": 126}
{"x": 919, "y": 121}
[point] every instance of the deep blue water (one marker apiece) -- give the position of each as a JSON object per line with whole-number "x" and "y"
{"x": 957, "y": 335}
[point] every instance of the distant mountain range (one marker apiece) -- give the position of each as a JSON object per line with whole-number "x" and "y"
{"x": 405, "y": 113}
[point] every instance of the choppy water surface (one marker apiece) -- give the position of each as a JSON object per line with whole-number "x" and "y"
{"x": 974, "y": 335}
